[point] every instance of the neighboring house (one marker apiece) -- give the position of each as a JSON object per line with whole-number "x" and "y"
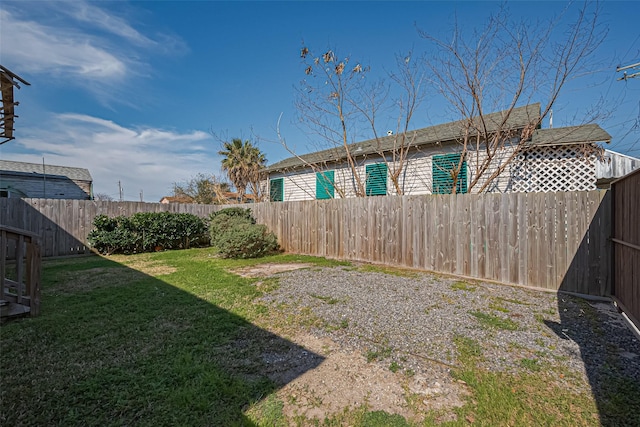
{"x": 558, "y": 159}
{"x": 33, "y": 180}
{"x": 176, "y": 199}
{"x": 228, "y": 197}
{"x": 235, "y": 197}
{"x": 613, "y": 166}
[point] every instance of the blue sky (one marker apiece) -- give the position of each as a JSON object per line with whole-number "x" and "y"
{"x": 132, "y": 90}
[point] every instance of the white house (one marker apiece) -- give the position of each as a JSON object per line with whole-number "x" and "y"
{"x": 558, "y": 159}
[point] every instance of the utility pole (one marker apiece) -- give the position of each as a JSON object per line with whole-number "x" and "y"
{"x": 141, "y": 193}
{"x": 44, "y": 181}
{"x": 120, "y": 190}
{"x": 636, "y": 71}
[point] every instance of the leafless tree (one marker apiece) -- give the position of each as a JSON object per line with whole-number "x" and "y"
{"x": 504, "y": 65}
{"x": 104, "y": 197}
{"x": 339, "y": 103}
{"x": 203, "y": 189}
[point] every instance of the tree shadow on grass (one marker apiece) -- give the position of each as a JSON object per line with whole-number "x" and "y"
{"x": 115, "y": 346}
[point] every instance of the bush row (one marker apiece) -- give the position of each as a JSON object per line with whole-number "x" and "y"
{"x": 233, "y": 231}
{"x": 147, "y": 232}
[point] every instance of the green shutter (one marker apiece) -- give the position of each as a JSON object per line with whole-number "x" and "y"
{"x": 376, "y": 179}
{"x": 442, "y": 168}
{"x": 276, "y": 190}
{"x": 325, "y": 185}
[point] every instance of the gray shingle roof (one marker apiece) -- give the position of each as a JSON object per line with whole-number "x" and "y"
{"x": 570, "y": 135}
{"x": 518, "y": 118}
{"x": 78, "y": 174}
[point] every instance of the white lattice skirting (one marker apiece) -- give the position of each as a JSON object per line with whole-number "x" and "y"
{"x": 559, "y": 168}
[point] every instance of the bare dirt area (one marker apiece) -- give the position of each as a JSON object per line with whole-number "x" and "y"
{"x": 266, "y": 270}
{"x": 346, "y": 380}
{"x": 390, "y": 342}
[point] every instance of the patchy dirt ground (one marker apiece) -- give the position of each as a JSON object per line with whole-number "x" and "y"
{"x": 265, "y": 270}
{"x": 388, "y": 341}
{"x": 347, "y": 380}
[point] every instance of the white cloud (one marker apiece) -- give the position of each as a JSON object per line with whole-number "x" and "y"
{"x": 38, "y": 48}
{"x": 98, "y": 18}
{"x": 146, "y": 159}
{"x": 78, "y": 43}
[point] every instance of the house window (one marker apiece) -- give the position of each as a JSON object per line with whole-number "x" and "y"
{"x": 443, "y": 168}
{"x": 376, "y": 179}
{"x": 325, "y": 185}
{"x": 276, "y": 190}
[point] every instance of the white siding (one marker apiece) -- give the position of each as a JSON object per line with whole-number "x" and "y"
{"x": 615, "y": 165}
{"x": 300, "y": 186}
{"x": 417, "y": 175}
{"x": 476, "y": 160}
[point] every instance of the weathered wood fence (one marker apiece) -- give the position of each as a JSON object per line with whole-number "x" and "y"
{"x": 626, "y": 243}
{"x": 64, "y": 224}
{"x": 557, "y": 241}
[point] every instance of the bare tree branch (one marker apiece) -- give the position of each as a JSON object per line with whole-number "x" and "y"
{"x": 501, "y": 67}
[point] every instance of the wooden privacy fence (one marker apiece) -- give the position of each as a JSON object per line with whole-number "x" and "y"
{"x": 65, "y": 224}
{"x": 626, "y": 243}
{"x": 557, "y": 241}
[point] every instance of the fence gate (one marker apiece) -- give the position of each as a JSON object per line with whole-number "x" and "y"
{"x": 626, "y": 244}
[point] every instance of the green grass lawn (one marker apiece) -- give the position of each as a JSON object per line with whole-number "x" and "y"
{"x": 115, "y": 345}
{"x": 171, "y": 338}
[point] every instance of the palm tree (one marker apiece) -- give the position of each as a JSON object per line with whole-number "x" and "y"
{"x": 242, "y": 162}
{"x": 257, "y": 162}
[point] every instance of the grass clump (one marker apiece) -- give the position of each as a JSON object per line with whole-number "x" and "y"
{"x": 462, "y": 286}
{"x": 512, "y": 301}
{"x": 497, "y": 306}
{"x": 530, "y": 364}
{"x": 491, "y": 321}
{"x": 378, "y": 354}
{"x": 268, "y": 412}
{"x": 393, "y": 271}
{"x": 383, "y": 419}
{"x": 469, "y": 350}
{"x": 344, "y": 324}
{"x": 326, "y": 299}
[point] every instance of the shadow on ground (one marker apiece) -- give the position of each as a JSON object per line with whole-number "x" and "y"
{"x": 115, "y": 346}
{"x": 609, "y": 349}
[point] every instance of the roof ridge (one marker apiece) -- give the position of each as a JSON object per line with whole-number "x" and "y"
{"x": 430, "y": 134}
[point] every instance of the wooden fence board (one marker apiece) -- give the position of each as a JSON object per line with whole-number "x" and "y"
{"x": 552, "y": 240}
{"x": 626, "y": 243}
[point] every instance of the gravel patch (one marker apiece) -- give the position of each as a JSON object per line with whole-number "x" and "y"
{"x": 413, "y": 321}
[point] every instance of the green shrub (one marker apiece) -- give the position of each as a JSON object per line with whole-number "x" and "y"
{"x": 234, "y": 212}
{"x": 146, "y": 232}
{"x": 220, "y": 224}
{"x": 235, "y": 234}
{"x": 246, "y": 240}
{"x": 223, "y": 220}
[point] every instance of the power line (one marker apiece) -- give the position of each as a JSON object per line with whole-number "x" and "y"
{"x": 625, "y": 76}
